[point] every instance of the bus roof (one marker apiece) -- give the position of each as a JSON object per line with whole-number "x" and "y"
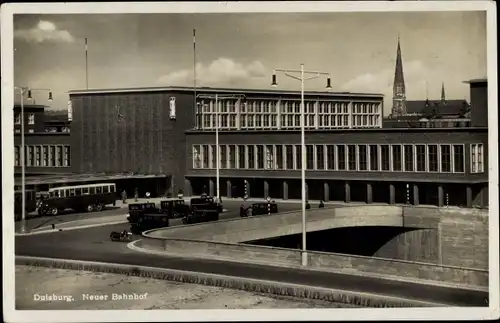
{"x": 79, "y": 186}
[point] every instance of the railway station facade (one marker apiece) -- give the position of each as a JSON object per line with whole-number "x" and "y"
{"x": 168, "y": 134}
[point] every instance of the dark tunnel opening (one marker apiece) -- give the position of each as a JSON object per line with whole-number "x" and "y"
{"x": 360, "y": 241}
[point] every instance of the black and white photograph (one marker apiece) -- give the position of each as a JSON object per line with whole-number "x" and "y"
{"x": 216, "y": 161}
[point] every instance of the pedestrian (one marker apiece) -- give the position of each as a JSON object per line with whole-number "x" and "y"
{"x": 136, "y": 194}
{"x": 124, "y": 197}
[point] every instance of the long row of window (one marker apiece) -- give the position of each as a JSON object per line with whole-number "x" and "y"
{"x": 286, "y": 114}
{"x": 439, "y": 158}
{"x": 43, "y": 156}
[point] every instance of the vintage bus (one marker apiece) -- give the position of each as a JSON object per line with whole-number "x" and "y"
{"x": 89, "y": 197}
{"x": 31, "y": 204}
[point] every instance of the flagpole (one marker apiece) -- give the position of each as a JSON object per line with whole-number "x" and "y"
{"x": 86, "y": 65}
{"x": 194, "y": 78}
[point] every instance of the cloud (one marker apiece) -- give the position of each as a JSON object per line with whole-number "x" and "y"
{"x": 44, "y": 31}
{"x": 221, "y": 71}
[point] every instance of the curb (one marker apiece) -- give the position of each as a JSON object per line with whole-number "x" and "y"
{"x": 247, "y": 284}
{"x": 45, "y": 231}
{"x": 132, "y": 246}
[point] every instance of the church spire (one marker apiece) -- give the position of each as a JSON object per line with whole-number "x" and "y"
{"x": 443, "y": 96}
{"x": 399, "y": 89}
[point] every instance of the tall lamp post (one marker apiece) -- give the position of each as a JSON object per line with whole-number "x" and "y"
{"x": 302, "y": 78}
{"x": 22, "y": 92}
{"x": 218, "y": 98}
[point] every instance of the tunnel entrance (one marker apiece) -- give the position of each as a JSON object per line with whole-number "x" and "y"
{"x": 360, "y": 241}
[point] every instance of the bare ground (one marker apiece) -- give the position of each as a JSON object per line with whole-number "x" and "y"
{"x": 36, "y": 282}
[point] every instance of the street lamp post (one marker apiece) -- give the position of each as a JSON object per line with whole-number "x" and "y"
{"x": 218, "y": 98}
{"x": 22, "y": 92}
{"x": 302, "y": 78}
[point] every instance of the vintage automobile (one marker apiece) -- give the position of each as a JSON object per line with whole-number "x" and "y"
{"x": 206, "y": 202}
{"x": 149, "y": 221}
{"x": 198, "y": 216}
{"x": 175, "y": 208}
{"x": 135, "y": 210}
{"x": 258, "y": 209}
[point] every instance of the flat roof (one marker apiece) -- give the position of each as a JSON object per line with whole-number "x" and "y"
{"x": 479, "y": 80}
{"x": 75, "y": 178}
{"x": 220, "y": 90}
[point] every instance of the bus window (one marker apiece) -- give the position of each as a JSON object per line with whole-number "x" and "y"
{"x": 105, "y": 189}
{"x": 61, "y": 193}
{"x": 56, "y": 193}
{"x": 98, "y": 190}
{"x": 92, "y": 190}
{"x": 66, "y": 192}
{"x": 72, "y": 192}
{"x": 85, "y": 191}
{"x": 78, "y": 191}
{"x": 113, "y": 188}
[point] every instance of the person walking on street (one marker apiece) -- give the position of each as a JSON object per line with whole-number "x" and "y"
{"x": 124, "y": 197}
{"x": 136, "y": 194}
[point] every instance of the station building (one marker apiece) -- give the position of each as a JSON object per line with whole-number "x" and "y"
{"x": 168, "y": 135}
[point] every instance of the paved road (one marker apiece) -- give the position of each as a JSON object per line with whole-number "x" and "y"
{"x": 93, "y": 244}
{"x": 46, "y": 221}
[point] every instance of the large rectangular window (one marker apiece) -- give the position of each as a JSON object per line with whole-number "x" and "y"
{"x": 458, "y": 158}
{"x": 213, "y": 153}
{"x": 205, "y": 156}
{"x": 269, "y": 157}
{"x": 385, "y": 157}
{"x": 59, "y": 152}
{"x": 396, "y": 158}
{"x": 409, "y": 167}
{"x": 45, "y": 154}
{"x": 433, "y": 158}
{"x": 260, "y": 156}
{"x": 310, "y": 156}
{"x": 421, "y": 158}
{"x": 477, "y": 159}
{"x": 320, "y": 157}
{"x": 374, "y": 157}
{"x": 232, "y": 156}
{"x": 289, "y": 157}
{"x": 362, "y": 157}
{"x": 445, "y": 158}
{"x": 341, "y": 157}
{"x": 279, "y": 157}
{"x": 330, "y": 157}
{"x": 242, "y": 157}
{"x": 298, "y": 156}
{"x": 38, "y": 156}
{"x": 351, "y": 157}
{"x": 67, "y": 156}
{"x": 223, "y": 156}
{"x": 251, "y": 156}
{"x": 17, "y": 156}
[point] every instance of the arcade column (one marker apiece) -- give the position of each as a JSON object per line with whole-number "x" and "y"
{"x": 285, "y": 190}
{"x": 469, "y": 196}
{"x": 369, "y": 193}
{"x": 347, "y": 188}
{"x": 416, "y": 195}
{"x": 188, "y": 189}
{"x": 392, "y": 194}
{"x": 229, "y": 189}
{"x": 326, "y": 192}
{"x": 440, "y": 196}
{"x": 266, "y": 188}
{"x": 211, "y": 187}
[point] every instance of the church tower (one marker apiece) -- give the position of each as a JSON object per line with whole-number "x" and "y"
{"x": 443, "y": 96}
{"x": 399, "y": 89}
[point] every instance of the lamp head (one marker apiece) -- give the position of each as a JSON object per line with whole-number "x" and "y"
{"x": 328, "y": 83}
{"x": 273, "y": 82}
{"x": 29, "y": 95}
{"x": 50, "y": 96}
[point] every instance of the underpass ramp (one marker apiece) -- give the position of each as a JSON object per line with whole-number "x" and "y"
{"x": 268, "y": 226}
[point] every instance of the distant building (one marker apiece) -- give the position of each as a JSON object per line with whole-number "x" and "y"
{"x": 424, "y": 113}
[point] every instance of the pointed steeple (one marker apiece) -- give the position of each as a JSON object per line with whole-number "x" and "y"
{"x": 443, "y": 96}
{"x": 399, "y": 89}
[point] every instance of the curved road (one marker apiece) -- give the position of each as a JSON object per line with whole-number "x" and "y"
{"x": 93, "y": 244}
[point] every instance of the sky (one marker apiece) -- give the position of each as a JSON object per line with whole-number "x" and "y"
{"x": 241, "y": 50}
